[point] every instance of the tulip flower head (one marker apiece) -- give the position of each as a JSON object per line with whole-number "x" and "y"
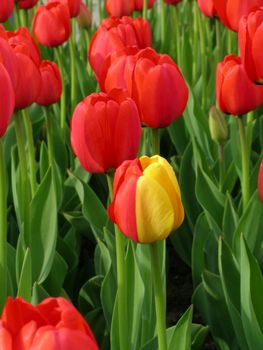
{"x": 6, "y": 9}
{"x": 207, "y": 7}
{"x": 51, "y": 24}
{"x": 260, "y": 181}
{"x": 105, "y": 131}
{"x": 231, "y": 11}
{"x": 235, "y": 92}
{"x": 84, "y": 18}
{"x": 172, "y": 2}
{"x": 114, "y": 35}
{"x": 54, "y": 324}
{"x": 250, "y": 39}
{"x": 119, "y": 8}
{"x": 73, "y": 6}
{"x": 138, "y": 4}
{"x": 146, "y": 203}
{"x": 26, "y": 4}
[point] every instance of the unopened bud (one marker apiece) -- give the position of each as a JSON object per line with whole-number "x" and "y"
{"x": 84, "y": 17}
{"x": 217, "y": 125}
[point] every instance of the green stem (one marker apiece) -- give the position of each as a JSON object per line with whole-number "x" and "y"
{"x": 155, "y": 141}
{"x": 203, "y": 57}
{"x": 218, "y": 40}
{"x": 245, "y": 163}
{"x": 72, "y": 66}
{"x": 177, "y": 34}
{"x": 63, "y": 95}
{"x": 49, "y": 135}
{"x": 221, "y": 165}
{"x": 195, "y": 44}
{"x": 31, "y": 151}
{"x": 3, "y": 230}
{"x": 25, "y": 190}
{"x": 250, "y": 126}
{"x": 163, "y": 25}
{"x": 145, "y": 7}
{"x": 121, "y": 285}
{"x": 159, "y": 297}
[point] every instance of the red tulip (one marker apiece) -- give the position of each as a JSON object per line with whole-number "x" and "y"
{"x": 8, "y": 98}
{"x": 260, "y": 181}
{"x": 231, "y": 11}
{"x": 105, "y": 131}
{"x": 139, "y": 4}
{"x": 26, "y": 4}
{"x": 154, "y": 82}
{"x": 51, "y": 24}
{"x": 73, "y": 6}
{"x": 53, "y": 324}
{"x": 207, "y": 7}
{"x": 51, "y": 86}
{"x": 28, "y": 82}
{"x": 172, "y": 2}
{"x": 8, "y": 59}
{"x": 250, "y": 38}
{"x": 6, "y": 9}
{"x": 119, "y": 8}
{"x": 235, "y": 92}
{"x": 114, "y": 35}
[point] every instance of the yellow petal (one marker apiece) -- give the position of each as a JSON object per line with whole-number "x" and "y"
{"x": 154, "y": 211}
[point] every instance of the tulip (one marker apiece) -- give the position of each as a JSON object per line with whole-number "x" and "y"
{"x": 235, "y": 92}
{"x": 250, "y": 38}
{"x": 139, "y": 4}
{"x": 172, "y": 2}
{"x": 6, "y": 9}
{"x": 119, "y": 8}
{"x": 207, "y": 7}
{"x": 8, "y": 59}
{"x": 217, "y": 125}
{"x": 84, "y": 18}
{"x": 26, "y": 4}
{"x": 28, "y": 79}
{"x": 231, "y": 11}
{"x": 51, "y": 86}
{"x": 146, "y": 203}
{"x": 113, "y": 35}
{"x": 105, "y": 131}
{"x": 8, "y": 98}
{"x": 51, "y": 24}
{"x": 54, "y": 324}
{"x": 154, "y": 82}
{"x": 260, "y": 181}
{"x": 73, "y": 6}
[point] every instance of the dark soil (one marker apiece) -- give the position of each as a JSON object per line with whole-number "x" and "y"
{"x": 179, "y": 293}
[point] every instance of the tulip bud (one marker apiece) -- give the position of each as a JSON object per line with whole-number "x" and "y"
{"x": 119, "y": 8}
{"x": 105, "y": 131}
{"x": 146, "y": 203}
{"x": 51, "y": 85}
{"x": 207, "y": 7}
{"x": 6, "y": 9}
{"x": 73, "y": 6}
{"x": 51, "y": 24}
{"x": 26, "y": 4}
{"x": 235, "y": 92}
{"x": 139, "y": 4}
{"x": 260, "y": 181}
{"x": 250, "y": 39}
{"x": 84, "y": 17}
{"x": 172, "y": 2}
{"x": 217, "y": 125}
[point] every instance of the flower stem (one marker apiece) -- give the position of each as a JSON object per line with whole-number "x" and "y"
{"x": 3, "y": 230}
{"x": 63, "y": 95}
{"x": 155, "y": 141}
{"x": 145, "y": 7}
{"x": 221, "y": 165}
{"x": 72, "y": 66}
{"x": 121, "y": 285}
{"x": 177, "y": 34}
{"x": 49, "y": 135}
{"x": 159, "y": 296}
{"x": 203, "y": 56}
{"x": 245, "y": 163}
{"x": 31, "y": 151}
{"x": 163, "y": 24}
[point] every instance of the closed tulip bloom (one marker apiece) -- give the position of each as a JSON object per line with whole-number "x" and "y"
{"x": 260, "y": 181}
{"x": 51, "y": 85}
{"x": 139, "y": 4}
{"x": 207, "y": 7}
{"x": 146, "y": 203}
{"x": 51, "y": 24}
{"x": 235, "y": 92}
{"x": 26, "y": 4}
{"x": 105, "y": 131}
{"x": 73, "y": 6}
{"x": 172, "y": 2}
{"x": 6, "y": 9}
{"x": 113, "y": 35}
{"x": 54, "y": 324}
{"x": 84, "y": 18}
{"x": 250, "y": 38}
{"x": 8, "y": 59}
{"x": 231, "y": 11}
{"x": 119, "y": 8}
{"x": 8, "y": 98}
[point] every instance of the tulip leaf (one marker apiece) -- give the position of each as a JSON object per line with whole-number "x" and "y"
{"x": 230, "y": 220}
{"x": 178, "y": 135}
{"x": 181, "y": 337}
{"x": 25, "y": 280}
{"x": 54, "y": 281}
{"x": 199, "y": 333}
{"x": 43, "y": 228}
{"x": 251, "y": 286}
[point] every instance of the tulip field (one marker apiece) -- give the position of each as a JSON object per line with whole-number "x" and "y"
{"x": 131, "y": 174}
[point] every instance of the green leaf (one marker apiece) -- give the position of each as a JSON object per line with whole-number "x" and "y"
{"x": 199, "y": 333}
{"x": 230, "y": 220}
{"x": 181, "y": 338}
{"x": 54, "y": 282}
{"x": 25, "y": 281}
{"x": 43, "y": 226}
